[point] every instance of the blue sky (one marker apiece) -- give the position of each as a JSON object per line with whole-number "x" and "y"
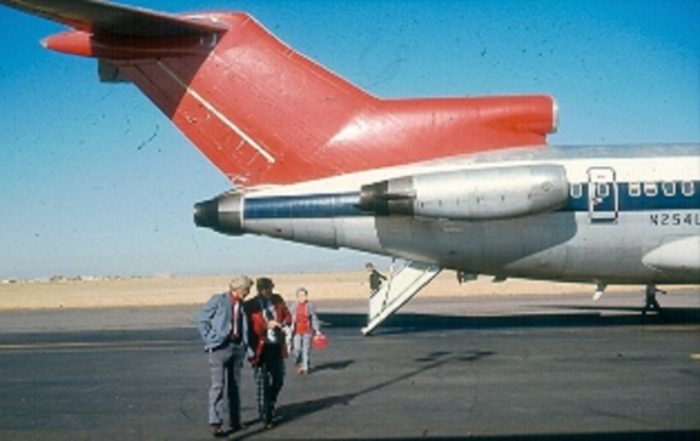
{"x": 94, "y": 180}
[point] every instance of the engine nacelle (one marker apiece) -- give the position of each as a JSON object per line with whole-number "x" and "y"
{"x": 493, "y": 193}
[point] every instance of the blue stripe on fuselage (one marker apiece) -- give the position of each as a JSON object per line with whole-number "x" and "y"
{"x": 306, "y": 206}
{"x": 642, "y": 202}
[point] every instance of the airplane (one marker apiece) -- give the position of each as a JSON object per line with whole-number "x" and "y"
{"x": 467, "y": 183}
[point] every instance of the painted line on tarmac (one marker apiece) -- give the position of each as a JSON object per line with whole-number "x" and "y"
{"x": 63, "y": 346}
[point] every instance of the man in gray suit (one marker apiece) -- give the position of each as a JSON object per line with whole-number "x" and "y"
{"x": 223, "y": 325}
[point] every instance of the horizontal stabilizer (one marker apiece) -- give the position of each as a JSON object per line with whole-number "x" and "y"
{"x": 119, "y": 21}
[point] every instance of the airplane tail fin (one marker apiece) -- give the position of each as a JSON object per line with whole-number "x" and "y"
{"x": 265, "y": 114}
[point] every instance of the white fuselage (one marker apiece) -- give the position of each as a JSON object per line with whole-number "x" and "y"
{"x": 632, "y": 215}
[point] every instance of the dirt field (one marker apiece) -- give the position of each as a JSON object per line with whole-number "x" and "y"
{"x": 195, "y": 290}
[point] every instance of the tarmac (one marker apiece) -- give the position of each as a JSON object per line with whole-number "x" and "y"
{"x": 516, "y": 368}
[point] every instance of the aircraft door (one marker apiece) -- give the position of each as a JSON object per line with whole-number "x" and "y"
{"x": 603, "y": 201}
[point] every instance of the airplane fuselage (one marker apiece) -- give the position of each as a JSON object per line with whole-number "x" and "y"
{"x": 630, "y": 214}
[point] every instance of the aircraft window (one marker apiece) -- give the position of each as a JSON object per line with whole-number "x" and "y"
{"x": 688, "y": 188}
{"x": 635, "y": 189}
{"x": 669, "y": 188}
{"x": 650, "y": 189}
{"x": 576, "y": 191}
{"x": 602, "y": 190}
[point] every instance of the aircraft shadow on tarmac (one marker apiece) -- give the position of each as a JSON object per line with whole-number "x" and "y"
{"x": 299, "y": 410}
{"x": 578, "y": 316}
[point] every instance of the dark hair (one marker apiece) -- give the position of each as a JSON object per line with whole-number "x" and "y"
{"x": 264, "y": 283}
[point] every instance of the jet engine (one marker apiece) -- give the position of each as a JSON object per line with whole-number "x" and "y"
{"x": 477, "y": 194}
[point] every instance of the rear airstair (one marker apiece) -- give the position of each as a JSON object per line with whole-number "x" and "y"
{"x": 404, "y": 283}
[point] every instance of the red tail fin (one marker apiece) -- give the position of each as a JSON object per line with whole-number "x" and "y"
{"x": 261, "y": 112}
{"x": 265, "y": 114}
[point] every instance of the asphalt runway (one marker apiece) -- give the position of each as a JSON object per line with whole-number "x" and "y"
{"x": 517, "y": 368}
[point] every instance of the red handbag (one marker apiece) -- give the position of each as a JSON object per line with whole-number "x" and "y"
{"x": 319, "y": 342}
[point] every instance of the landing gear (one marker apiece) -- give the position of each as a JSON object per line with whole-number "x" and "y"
{"x": 651, "y": 304}
{"x": 599, "y": 291}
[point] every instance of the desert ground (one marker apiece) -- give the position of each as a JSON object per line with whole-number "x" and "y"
{"x": 170, "y": 291}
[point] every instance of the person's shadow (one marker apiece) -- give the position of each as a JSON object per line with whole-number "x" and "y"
{"x": 333, "y": 366}
{"x": 294, "y": 411}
